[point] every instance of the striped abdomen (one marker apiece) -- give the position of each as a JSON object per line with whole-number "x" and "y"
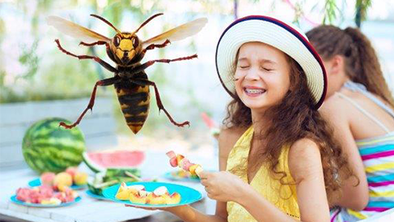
{"x": 134, "y": 102}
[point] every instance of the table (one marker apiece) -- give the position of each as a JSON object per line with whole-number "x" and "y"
{"x": 93, "y": 210}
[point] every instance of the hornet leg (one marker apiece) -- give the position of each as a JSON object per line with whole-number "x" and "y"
{"x": 152, "y": 46}
{"x": 104, "y": 82}
{"x": 144, "y": 82}
{"x": 95, "y": 58}
{"x": 93, "y": 43}
{"x": 151, "y": 62}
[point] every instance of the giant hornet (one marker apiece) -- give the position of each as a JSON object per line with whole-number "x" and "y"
{"x": 127, "y": 51}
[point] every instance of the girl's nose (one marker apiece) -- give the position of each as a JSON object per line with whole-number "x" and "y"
{"x": 252, "y": 74}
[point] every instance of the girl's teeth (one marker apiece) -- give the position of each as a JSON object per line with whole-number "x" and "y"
{"x": 255, "y": 91}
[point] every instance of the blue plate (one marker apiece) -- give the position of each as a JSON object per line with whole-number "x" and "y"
{"x": 171, "y": 176}
{"x": 188, "y": 195}
{"x": 37, "y": 182}
{"x": 93, "y": 195}
{"x": 13, "y": 199}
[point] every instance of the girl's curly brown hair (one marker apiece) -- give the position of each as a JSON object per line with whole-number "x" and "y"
{"x": 291, "y": 120}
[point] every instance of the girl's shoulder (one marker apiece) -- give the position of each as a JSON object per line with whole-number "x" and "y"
{"x": 303, "y": 146}
{"x": 334, "y": 103}
{"x": 304, "y": 155}
{"x": 233, "y": 131}
{"x": 227, "y": 139}
{"x": 336, "y": 109}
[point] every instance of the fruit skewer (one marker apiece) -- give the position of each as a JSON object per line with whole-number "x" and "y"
{"x": 178, "y": 160}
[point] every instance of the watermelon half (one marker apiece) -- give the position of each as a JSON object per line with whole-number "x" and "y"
{"x": 118, "y": 159}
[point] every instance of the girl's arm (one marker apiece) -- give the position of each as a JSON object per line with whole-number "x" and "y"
{"x": 227, "y": 139}
{"x": 189, "y": 214}
{"x": 353, "y": 197}
{"x": 306, "y": 168}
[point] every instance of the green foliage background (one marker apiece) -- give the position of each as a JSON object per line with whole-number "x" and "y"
{"x": 48, "y": 74}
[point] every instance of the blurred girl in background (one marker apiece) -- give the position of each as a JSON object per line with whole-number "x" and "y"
{"x": 360, "y": 107}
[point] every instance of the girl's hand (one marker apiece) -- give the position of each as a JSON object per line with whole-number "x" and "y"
{"x": 223, "y": 186}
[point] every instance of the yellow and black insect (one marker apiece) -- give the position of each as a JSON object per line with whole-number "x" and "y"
{"x": 127, "y": 51}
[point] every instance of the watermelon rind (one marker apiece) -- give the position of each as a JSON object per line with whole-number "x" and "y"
{"x": 99, "y": 187}
{"x": 46, "y": 147}
{"x": 118, "y": 173}
{"x": 110, "y": 177}
{"x": 92, "y": 165}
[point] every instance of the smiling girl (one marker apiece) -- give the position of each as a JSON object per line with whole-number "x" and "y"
{"x": 278, "y": 161}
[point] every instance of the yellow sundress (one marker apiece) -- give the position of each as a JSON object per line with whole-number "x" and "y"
{"x": 284, "y": 197}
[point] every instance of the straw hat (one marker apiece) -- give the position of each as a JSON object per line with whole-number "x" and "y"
{"x": 277, "y": 34}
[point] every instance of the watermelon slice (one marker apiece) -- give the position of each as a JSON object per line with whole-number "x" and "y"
{"x": 118, "y": 159}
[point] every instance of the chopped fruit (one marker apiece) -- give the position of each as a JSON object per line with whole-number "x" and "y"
{"x": 46, "y": 191}
{"x": 122, "y": 187}
{"x": 52, "y": 201}
{"x": 183, "y": 163}
{"x": 144, "y": 193}
{"x": 161, "y": 196}
{"x": 171, "y": 154}
{"x": 183, "y": 174}
{"x": 74, "y": 194}
{"x": 173, "y": 162}
{"x": 175, "y": 198}
{"x": 198, "y": 169}
{"x": 154, "y": 199}
{"x": 160, "y": 191}
{"x": 173, "y": 159}
{"x": 136, "y": 198}
{"x": 138, "y": 194}
{"x": 123, "y": 192}
{"x": 179, "y": 158}
{"x": 192, "y": 169}
{"x": 61, "y": 196}
{"x": 123, "y": 195}
{"x": 62, "y": 188}
{"x": 45, "y": 194}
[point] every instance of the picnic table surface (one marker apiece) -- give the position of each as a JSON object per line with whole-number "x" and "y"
{"x": 94, "y": 210}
